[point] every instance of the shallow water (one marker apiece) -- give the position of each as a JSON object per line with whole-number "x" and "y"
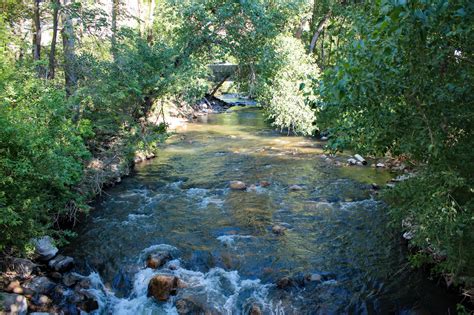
{"x": 221, "y": 240}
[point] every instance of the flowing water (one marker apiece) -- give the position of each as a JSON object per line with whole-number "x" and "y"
{"x": 221, "y": 240}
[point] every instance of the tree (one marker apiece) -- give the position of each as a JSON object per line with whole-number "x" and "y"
{"x": 52, "y": 53}
{"x": 68, "y": 37}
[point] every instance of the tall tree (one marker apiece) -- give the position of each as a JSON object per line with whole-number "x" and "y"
{"x": 67, "y": 34}
{"x": 115, "y": 13}
{"x": 37, "y": 34}
{"x": 52, "y": 53}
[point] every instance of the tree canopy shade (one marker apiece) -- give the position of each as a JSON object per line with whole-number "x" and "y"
{"x": 402, "y": 84}
{"x": 78, "y": 78}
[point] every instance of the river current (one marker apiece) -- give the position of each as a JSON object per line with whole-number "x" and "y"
{"x": 337, "y": 249}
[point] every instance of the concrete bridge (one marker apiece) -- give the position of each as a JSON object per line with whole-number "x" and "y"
{"x": 222, "y": 72}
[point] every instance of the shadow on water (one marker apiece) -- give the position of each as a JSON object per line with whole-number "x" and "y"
{"x": 222, "y": 241}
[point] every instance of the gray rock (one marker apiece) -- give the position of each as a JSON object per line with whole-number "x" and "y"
{"x": 40, "y": 285}
{"x": 13, "y": 303}
{"x": 22, "y": 267}
{"x": 61, "y": 263}
{"x": 352, "y": 161}
{"x": 45, "y": 248}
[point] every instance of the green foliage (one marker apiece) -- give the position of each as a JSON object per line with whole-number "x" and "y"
{"x": 402, "y": 85}
{"x": 285, "y": 73}
{"x": 41, "y": 159}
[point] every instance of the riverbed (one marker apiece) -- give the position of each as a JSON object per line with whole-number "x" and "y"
{"x": 336, "y": 247}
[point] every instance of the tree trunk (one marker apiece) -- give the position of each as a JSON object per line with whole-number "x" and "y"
{"x": 318, "y": 31}
{"x": 52, "y": 53}
{"x": 37, "y": 35}
{"x": 214, "y": 90}
{"x": 115, "y": 13}
{"x": 69, "y": 53}
{"x": 299, "y": 30}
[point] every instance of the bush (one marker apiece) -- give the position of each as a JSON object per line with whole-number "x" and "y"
{"x": 41, "y": 160}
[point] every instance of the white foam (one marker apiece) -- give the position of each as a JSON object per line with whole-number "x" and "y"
{"x": 206, "y": 201}
{"x": 229, "y": 240}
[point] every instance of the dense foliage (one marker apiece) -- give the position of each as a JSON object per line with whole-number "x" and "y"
{"x": 403, "y": 86}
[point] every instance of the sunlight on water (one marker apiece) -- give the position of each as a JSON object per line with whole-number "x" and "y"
{"x": 335, "y": 246}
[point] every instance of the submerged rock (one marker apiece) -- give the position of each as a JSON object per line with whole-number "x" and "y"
{"x": 45, "y": 248}
{"x": 188, "y": 305}
{"x": 61, "y": 263}
{"x": 278, "y": 229}
{"x": 255, "y": 310}
{"x": 89, "y": 304}
{"x": 157, "y": 260}
{"x": 284, "y": 283}
{"x": 13, "y": 304}
{"x": 295, "y": 188}
{"x": 161, "y": 287}
{"x": 237, "y": 185}
{"x": 265, "y": 183}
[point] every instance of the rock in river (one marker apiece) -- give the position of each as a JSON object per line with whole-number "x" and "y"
{"x": 237, "y": 185}
{"x": 157, "y": 260}
{"x": 255, "y": 310}
{"x": 295, "y": 188}
{"x": 45, "y": 248}
{"x": 278, "y": 229}
{"x": 161, "y": 287}
{"x": 265, "y": 183}
{"x": 284, "y": 283}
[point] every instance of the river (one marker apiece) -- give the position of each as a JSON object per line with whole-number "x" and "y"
{"x": 336, "y": 248}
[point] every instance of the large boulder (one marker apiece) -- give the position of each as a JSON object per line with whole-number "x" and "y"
{"x": 157, "y": 260}
{"x": 161, "y": 287}
{"x": 45, "y": 248}
{"x": 61, "y": 263}
{"x": 13, "y": 304}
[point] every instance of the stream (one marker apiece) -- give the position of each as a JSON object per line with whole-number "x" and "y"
{"x": 336, "y": 249}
